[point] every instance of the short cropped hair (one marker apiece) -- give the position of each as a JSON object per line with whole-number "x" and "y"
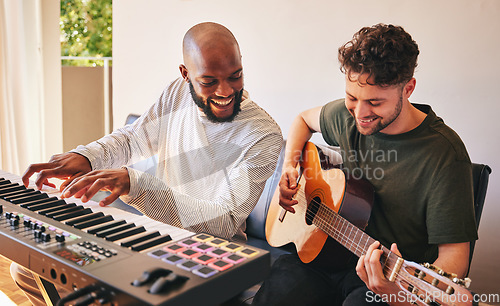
{"x": 386, "y": 52}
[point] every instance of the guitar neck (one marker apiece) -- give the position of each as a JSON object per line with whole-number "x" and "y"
{"x": 410, "y": 276}
{"x": 351, "y": 237}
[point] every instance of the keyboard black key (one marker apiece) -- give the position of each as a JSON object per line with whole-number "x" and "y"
{"x": 29, "y": 204}
{"x": 139, "y": 239}
{"x": 28, "y": 198}
{"x": 70, "y": 215}
{"x": 43, "y": 205}
{"x": 127, "y": 233}
{"x": 21, "y": 193}
{"x": 8, "y": 185}
{"x": 106, "y": 226}
{"x": 63, "y": 205}
{"x": 84, "y": 218}
{"x": 93, "y": 222}
{"x": 18, "y": 193}
{"x": 114, "y": 230}
{"x": 64, "y": 210}
{"x": 151, "y": 243}
{"x": 10, "y": 189}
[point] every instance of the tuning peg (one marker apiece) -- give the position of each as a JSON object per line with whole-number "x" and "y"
{"x": 421, "y": 275}
{"x": 450, "y": 290}
{"x": 467, "y": 281}
{"x": 440, "y": 271}
{"x": 464, "y": 282}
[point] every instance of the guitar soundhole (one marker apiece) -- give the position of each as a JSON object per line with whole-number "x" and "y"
{"x": 312, "y": 209}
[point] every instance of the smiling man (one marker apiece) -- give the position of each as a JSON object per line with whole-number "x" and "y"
{"x": 423, "y": 207}
{"x": 208, "y": 60}
{"x": 216, "y": 148}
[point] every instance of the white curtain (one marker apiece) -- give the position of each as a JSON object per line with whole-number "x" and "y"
{"x": 21, "y": 85}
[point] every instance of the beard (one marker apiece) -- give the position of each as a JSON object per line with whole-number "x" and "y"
{"x": 384, "y": 122}
{"x": 207, "y": 110}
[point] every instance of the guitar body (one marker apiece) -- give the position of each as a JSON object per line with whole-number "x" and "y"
{"x": 319, "y": 183}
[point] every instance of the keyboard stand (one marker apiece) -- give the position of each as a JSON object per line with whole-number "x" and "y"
{"x": 48, "y": 290}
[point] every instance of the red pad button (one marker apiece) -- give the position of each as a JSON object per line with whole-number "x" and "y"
{"x": 188, "y": 253}
{"x": 220, "y": 265}
{"x": 174, "y": 248}
{"x": 219, "y": 253}
{"x": 204, "y": 259}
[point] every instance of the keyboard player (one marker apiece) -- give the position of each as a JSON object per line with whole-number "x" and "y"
{"x": 215, "y": 147}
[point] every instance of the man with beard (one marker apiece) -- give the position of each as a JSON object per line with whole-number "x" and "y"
{"x": 423, "y": 203}
{"x": 216, "y": 148}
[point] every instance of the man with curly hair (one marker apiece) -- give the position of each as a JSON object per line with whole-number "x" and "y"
{"x": 418, "y": 166}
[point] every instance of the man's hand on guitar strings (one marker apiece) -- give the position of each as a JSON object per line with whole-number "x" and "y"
{"x": 369, "y": 270}
{"x": 288, "y": 187}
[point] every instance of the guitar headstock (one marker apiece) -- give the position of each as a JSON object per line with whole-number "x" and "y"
{"x": 429, "y": 285}
{"x": 464, "y": 282}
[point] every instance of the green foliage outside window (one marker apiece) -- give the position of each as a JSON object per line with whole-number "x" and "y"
{"x": 86, "y": 30}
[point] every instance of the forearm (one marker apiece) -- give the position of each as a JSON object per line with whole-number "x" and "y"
{"x": 454, "y": 258}
{"x": 301, "y": 130}
{"x": 122, "y": 147}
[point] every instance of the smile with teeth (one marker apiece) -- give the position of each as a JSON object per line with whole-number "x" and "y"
{"x": 222, "y": 102}
{"x": 366, "y": 120}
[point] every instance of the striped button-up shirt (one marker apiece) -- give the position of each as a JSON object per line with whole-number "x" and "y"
{"x": 209, "y": 175}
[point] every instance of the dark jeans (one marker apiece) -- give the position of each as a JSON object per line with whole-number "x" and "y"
{"x": 292, "y": 282}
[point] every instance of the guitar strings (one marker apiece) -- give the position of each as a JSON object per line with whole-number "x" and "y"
{"x": 330, "y": 217}
{"x": 329, "y": 214}
{"x": 333, "y": 217}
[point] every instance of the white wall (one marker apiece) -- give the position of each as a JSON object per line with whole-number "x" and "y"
{"x": 290, "y": 61}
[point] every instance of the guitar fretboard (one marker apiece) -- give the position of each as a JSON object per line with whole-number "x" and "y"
{"x": 348, "y": 235}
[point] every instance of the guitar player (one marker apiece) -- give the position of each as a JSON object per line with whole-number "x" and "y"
{"x": 419, "y": 168}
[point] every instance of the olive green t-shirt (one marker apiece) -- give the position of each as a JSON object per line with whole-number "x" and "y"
{"x": 422, "y": 181}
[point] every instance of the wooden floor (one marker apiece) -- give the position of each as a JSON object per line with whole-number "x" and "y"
{"x": 11, "y": 293}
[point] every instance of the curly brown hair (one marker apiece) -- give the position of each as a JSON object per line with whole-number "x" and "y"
{"x": 386, "y": 52}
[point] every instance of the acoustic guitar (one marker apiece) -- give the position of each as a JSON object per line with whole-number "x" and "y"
{"x": 331, "y": 204}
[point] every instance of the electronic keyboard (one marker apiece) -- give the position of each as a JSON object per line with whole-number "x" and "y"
{"x": 129, "y": 259}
